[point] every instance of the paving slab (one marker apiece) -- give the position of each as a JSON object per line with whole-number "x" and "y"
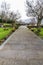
{"x": 23, "y": 48}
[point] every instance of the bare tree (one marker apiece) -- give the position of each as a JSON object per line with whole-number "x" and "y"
{"x": 35, "y": 10}
{"x": 2, "y": 16}
{"x": 14, "y": 17}
{"x": 4, "y": 11}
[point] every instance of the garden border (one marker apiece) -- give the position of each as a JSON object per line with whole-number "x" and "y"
{"x": 3, "y": 44}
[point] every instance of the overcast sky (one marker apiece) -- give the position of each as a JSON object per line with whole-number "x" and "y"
{"x": 17, "y": 5}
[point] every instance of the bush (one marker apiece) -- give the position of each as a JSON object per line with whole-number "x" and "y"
{"x": 13, "y": 29}
{"x": 32, "y": 29}
{"x": 16, "y": 26}
{"x": 29, "y": 27}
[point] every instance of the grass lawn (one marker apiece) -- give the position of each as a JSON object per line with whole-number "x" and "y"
{"x": 4, "y": 33}
{"x": 40, "y": 34}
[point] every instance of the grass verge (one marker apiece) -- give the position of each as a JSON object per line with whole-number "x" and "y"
{"x": 4, "y": 33}
{"x": 40, "y": 34}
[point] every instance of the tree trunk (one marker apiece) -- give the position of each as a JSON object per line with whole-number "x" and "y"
{"x": 2, "y": 23}
{"x": 38, "y": 25}
{"x": 12, "y": 24}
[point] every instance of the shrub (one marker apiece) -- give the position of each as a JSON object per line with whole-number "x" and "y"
{"x": 13, "y": 29}
{"x": 16, "y": 26}
{"x": 32, "y": 29}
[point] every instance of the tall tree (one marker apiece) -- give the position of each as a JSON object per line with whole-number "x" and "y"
{"x": 35, "y": 10}
{"x": 14, "y": 17}
{"x": 4, "y": 11}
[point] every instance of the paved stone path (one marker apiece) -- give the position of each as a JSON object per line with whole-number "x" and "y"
{"x": 24, "y": 48}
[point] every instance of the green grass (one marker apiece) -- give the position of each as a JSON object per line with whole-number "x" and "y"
{"x": 40, "y": 34}
{"x": 4, "y": 33}
{"x": 6, "y": 30}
